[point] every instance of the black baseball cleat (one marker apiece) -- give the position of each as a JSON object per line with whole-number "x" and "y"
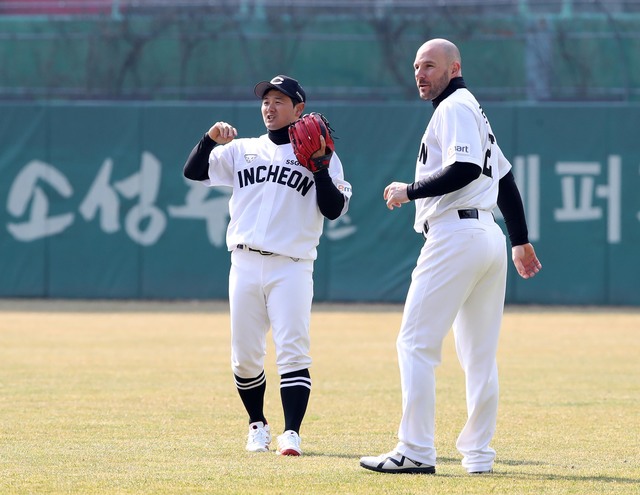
{"x": 488, "y": 471}
{"x": 393, "y": 462}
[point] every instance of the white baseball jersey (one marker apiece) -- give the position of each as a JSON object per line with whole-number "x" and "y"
{"x": 273, "y": 206}
{"x": 459, "y": 281}
{"x": 452, "y": 136}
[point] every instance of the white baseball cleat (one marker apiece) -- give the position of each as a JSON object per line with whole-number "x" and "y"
{"x": 289, "y": 443}
{"x": 393, "y": 462}
{"x": 259, "y": 437}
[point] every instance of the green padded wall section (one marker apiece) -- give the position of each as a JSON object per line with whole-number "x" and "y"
{"x": 94, "y": 205}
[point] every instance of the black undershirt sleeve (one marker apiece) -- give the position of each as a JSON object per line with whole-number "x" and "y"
{"x": 197, "y": 165}
{"x": 449, "y": 179}
{"x": 510, "y": 204}
{"x": 330, "y": 199}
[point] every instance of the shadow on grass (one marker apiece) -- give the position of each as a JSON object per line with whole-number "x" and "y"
{"x": 560, "y": 477}
{"x": 441, "y": 460}
{"x": 554, "y": 477}
{"x": 499, "y": 473}
{"x": 314, "y": 453}
{"x": 519, "y": 462}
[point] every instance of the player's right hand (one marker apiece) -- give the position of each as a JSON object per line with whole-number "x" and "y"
{"x": 222, "y": 133}
{"x": 395, "y": 194}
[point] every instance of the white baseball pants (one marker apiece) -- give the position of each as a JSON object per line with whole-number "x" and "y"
{"x": 459, "y": 280}
{"x": 269, "y": 291}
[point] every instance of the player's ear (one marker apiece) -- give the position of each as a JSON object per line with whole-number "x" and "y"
{"x": 298, "y": 109}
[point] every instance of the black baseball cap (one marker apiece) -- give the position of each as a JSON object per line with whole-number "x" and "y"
{"x": 284, "y": 84}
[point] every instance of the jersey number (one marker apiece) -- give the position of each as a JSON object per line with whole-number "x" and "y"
{"x": 486, "y": 168}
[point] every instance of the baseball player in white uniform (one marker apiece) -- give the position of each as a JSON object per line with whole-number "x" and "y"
{"x": 460, "y": 276}
{"x": 277, "y": 211}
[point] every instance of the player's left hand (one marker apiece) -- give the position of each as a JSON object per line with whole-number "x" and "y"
{"x": 395, "y": 194}
{"x": 323, "y": 148}
{"x": 525, "y": 260}
{"x": 312, "y": 142}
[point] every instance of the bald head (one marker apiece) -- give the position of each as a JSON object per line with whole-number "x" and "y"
{"x": 437, "y": 62}
{"x": 443, "y": 49}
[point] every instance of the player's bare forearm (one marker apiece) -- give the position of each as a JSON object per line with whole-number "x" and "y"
{"x": 525, "y": 260}
{"x": 395, "y": 194}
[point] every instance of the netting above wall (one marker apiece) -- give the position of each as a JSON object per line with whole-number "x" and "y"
{"x": 513, "y": 50}
{"x": 337, "y": 7}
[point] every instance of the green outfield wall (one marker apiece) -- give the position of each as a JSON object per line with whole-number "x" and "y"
{"x": 94, "y": 205}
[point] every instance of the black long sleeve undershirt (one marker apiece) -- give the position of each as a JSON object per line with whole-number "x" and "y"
{"x": 461, "y": 174}
{"x": 330, "y": 199}
{"x": 197, "y": 165}
{"x": 510, "y": 204}
{"x": 449, "y": 179}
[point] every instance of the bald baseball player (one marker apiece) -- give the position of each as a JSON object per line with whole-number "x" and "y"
{"x": 460, "y": 276}
{"x": 277, "y": 211}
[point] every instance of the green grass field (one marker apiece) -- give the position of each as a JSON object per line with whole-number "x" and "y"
{"x": 138, "y": 398}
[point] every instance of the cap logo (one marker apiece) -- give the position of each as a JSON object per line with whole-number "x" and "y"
{"x": 277, "y": 80}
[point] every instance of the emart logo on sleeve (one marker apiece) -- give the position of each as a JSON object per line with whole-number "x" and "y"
{"x": 458, "y": 149}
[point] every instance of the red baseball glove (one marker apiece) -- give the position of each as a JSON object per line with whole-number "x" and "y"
{"x": 305, "y": 138}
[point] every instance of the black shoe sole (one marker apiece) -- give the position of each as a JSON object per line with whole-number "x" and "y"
{"x": 417, "y": 470}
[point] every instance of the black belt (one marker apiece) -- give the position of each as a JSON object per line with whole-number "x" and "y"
{"x": 462, "y": 214}
{"x": 468, "y": 213}
{"x": 263, "y": 253}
